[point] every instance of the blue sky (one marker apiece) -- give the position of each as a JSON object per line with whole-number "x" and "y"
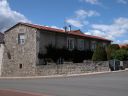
{"x": 105, "y": 18}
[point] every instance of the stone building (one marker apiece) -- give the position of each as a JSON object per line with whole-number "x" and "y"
{"x": 24, "y": 41}
{"x": 1, "y": 51}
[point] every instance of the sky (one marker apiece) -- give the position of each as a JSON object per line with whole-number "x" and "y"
{"x": 104, "y": 18}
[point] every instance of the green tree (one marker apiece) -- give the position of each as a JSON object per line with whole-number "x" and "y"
{"x": 99, "y": 54}
{"x": 111, "y": 49}
{"x": 120, "y": 54}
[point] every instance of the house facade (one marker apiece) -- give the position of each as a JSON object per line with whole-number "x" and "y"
{"x": 24, "y": 41}
{"x": 1, "y": 51}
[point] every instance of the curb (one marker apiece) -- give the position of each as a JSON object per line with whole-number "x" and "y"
{"x": 64, "y": 75}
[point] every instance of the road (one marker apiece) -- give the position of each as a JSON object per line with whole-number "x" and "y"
{"x": 108, "y": 84}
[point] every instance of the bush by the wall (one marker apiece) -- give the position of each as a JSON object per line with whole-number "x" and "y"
{"x": 120, "y": 54}
{"x": 75, "y": 55}
{"x": 111, "y": 49}
{"x": 99, "y": 54}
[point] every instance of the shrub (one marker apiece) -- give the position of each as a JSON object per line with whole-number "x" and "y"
{"x": 88, "y": 54}
{"x": 120, "y": 54}
{"x": 75, "y": 55}
{"x": 111, "y": 49}
{"x": 99, "y": 54}
{"x": 52, "y": 53}
{"x": 40, "y": 55}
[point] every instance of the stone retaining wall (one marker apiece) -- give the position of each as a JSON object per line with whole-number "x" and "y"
{"x": 72, "y": 68}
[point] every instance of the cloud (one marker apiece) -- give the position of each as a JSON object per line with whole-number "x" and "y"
{"x": 84, "y": 13}
{"x": 122, "y": 1}
{"x": 53, "y": 26}
{"x": 94, "y": 2}
{"x": 87, "y": 33}
{"x": 118, "y": 29}
{"x": 9, "y": 17}
{"x": 80, "y": 18}
{"x": 125, "y": 41}
{"x": 75, "y": 23}
{"x": 121, "y": 42}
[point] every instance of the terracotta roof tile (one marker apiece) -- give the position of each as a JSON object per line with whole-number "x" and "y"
{"x": 73, "y": 32}
{"x": 123, "y": 45}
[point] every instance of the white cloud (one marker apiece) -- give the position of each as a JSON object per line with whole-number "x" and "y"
{"x": 125, "y": 41}
{"x": 80, "y": 18}
{"x": 121, "y": 42}
{"x": 53, "y": 26}
{"x": 87, "y": 33}
{"x": 122, "y": 1}
{"x": 8, "y": 17}
{"x": 91, "y": 1}
{"x": 117, "y": 42}
{"x": 118, "y": 29}
{"x": 75, "y": 23}
{"x": 84, "y": 13}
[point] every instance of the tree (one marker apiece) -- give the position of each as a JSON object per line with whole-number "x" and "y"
{"x": 111, "y": 49}
{"x": 99, "y": 54}
{"x": 120, "y": 54}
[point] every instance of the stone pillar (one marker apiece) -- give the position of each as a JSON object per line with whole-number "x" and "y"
{"x": 1, "y": 57}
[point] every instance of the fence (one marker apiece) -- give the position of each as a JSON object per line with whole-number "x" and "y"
{"x": 125, "y": 64}
{"x": 72, "y": 68}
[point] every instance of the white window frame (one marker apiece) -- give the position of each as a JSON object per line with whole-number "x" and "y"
{"x": 70, "y": 43}
{"x": 21, "y": 38}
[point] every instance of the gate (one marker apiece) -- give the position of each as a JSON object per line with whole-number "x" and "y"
{"x": 115, "y": 65}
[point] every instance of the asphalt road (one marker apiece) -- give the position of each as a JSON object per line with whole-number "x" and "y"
{"x": 108, "y": 84}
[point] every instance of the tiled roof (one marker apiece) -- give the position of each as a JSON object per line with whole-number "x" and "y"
{"x": 73, "y": 32}
{"x": 123, "y": 45}
{"x": 1, "y": 37}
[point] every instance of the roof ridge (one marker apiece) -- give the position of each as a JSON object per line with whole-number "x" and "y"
{"x": 48, "y": 28}
{"x": 40, "y": 26}
{"x": 60, "y": 30}
{"x": 96, "y": 36}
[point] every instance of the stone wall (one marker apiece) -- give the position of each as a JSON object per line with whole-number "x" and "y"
{"x": 20, "y": 59}
{"x": 1, "y": 37}
{"x": 72, "y": 68}
{"x": 1, "y": 57}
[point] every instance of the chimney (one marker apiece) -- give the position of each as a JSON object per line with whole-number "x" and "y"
{"x": 65, "y": 28}
{"x": 70, "y": 28}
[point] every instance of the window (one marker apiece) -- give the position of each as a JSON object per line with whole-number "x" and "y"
{"x": 9, "y": 55}
{"x": 104, "y": 45}
{"x": 81, "y": 44}
{"x": 21, "y": 38}
{"x": 20, "y": 66}
{"x": 93, "y": 46}
{"x": 70, "y": 43}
